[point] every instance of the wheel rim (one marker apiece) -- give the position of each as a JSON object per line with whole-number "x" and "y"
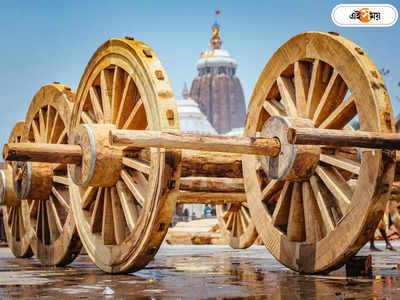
{"x": 315, "y": 225}
{"x": 16, "y": 218}
{"x": 236, "y": 225}
{"x": 55, "y": 239}
{"x": 122, "y": 226}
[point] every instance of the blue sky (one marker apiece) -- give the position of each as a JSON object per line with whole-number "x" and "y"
{"x": 46, "y": 41}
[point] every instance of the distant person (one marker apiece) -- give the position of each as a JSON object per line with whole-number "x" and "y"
{"x": 382, "y": 230}
{"x": 207, "y": 210}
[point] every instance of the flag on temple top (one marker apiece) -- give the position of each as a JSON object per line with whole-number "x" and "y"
{"x": 217, "y": 12}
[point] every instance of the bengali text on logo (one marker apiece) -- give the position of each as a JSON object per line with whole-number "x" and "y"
{"x": 360, "y": 15}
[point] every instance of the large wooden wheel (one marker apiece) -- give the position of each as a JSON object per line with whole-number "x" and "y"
{"x": 55, "y": 240}
{"x": 315, "y": 223}
{"x": 123, "y": 222}
{"x": 16, "y": 217}
{"x": 236, "y": 225}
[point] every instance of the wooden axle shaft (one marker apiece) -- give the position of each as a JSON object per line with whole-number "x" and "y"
{"x": 177, "y": 140}
{"x": 37, "y": 152}
{"x": 186, "y": 197}
{"x": 344, "y": 138}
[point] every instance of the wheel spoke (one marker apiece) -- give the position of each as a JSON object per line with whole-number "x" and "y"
{"x": 246, "y": 215}
{"x": 317, "y": 87}
{"x": 281, "y": 211}
{"x": 11, "y": 215}
{"x": 106, "y": 86}
{"x": 229, "y": 222}
{"x": 96, "y": 104}
{"x": 302, "y": 78}
{"x": 312, "y": 216}
{"x": 127, "y": 94}
{"x": 118, "y": 217}
{"x": 49, "y": 122}
{"x": 136, "y": 183}
{"x": 321, "y": 196}
{"x": 21, "y": 225}
{"x": 272, "y": 108}
{"x": 60, "y": 198}
{"x": 331, "y": 99}
{"x": 128, "y": 206}
{"x": 86, "y": 118}
{"x": 117, "y": 91}
{"x": 33, "y": 208}
{"x": 295, "y": 228}
{"x": 96, "y": 220}
{"x": 141, "y": 166}
{"x": 42, "y": 122}
{"x": 54, "y": 223}
{"x": 45, "y": 224}
{"x": 88, "y": 197}
{"x": 286, "y": 89}
{"x": 337, "y": 185}
{"x": 342, "y": 115}
{"x": 108, "y": 226}
{"x": 65, "y": 180}
{"x": 62, "y": 139}
{"x": 341, "y": 162}
{"x": 135, "y": 114}
{"x": 36, "y": 132}
{"x": 272, "y": 187}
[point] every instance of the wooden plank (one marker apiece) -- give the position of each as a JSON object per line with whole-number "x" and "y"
{"x": 212, "y": 184}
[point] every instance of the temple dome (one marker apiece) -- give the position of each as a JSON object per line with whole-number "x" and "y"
{"x": 216, "y": 58}
{"x": 191, "y": 119}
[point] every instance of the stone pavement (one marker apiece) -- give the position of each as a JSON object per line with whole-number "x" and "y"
{"x": 197, "y": 272}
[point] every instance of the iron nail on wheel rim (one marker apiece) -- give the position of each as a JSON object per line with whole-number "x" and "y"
{"x": 315, "y": 224}
{"x": 122, "y": 223}
{"x": 16, "y": 217}
{"x": 55, "y": 239}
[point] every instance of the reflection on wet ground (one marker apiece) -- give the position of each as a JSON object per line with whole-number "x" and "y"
{"x": 197, "y": 272}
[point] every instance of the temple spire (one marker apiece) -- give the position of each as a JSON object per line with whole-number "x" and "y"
{"x": 185, "y": 93}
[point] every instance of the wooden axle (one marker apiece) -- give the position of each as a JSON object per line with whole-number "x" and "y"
{"x": 40, "y": 152}
{"x": 187, "y": 197}
{"x": 177, "y": 140}
{"x": 344, "y": 138}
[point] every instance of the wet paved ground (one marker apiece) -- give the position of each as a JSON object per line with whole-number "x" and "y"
{"x": 197, "y": 272}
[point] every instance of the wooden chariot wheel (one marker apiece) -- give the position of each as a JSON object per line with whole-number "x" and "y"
{"x": 236, "y": 225}
{"x": 45, "y": 186}
{"x": 127, "y": 198}
{"x": 15, "y": 213}
{"x": 323, "y": 205}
